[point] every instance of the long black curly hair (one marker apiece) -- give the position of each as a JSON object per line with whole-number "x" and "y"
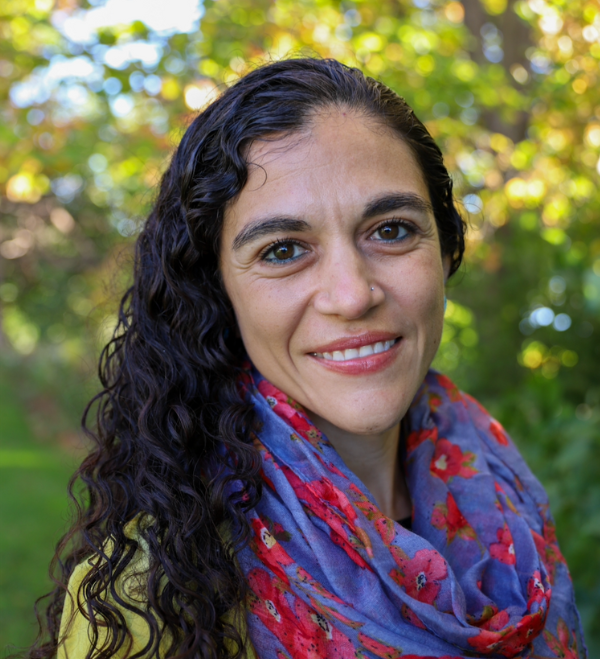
{"x": 171, "y": 432}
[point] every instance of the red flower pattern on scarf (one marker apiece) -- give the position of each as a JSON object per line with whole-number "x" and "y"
{"x": 498, "y": 432}
{"x": 434, "y": 402}
{"x": 380, "y": 649}
{"x": 497, "y": 622}
{"x": 549, "y": 551}
{"x": 449, "y": 461}
{"x": 420, "y": 575}
{"x": 536, "y": 592}
{"x": 270, "y": 551}
{"x": 384, "y": 526}
{"x": 305, "y": 633}
{"x": 322, "y": 498}
{"x": 512, "y": 640}
{"x": 447, "y": 516}
{"x": 288, "y": 409}
{"x": 304, "y": 615}
{"x": 561, "y": 645}
{"x": 416, "y": 438}
{"x": 504, "y": 549}
{"x": 451, "y": 389}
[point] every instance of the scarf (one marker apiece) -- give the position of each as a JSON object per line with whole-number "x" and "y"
{"x": 479, "y": 575}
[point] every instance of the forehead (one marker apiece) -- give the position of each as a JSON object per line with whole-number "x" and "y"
{"x": 331, "y": 167}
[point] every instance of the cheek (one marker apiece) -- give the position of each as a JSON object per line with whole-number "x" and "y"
{"x": 420, "y": 286}
{"x": 266, "y": 320}
{"x": 435, "y": 314}
{"x": 421, "y": 298}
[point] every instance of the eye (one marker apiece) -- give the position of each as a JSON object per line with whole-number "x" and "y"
{"x": 283, "y": 252}
{"x": 392, "y": 232}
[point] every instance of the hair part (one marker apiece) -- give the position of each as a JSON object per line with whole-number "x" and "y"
{"x": 171, "y": 434}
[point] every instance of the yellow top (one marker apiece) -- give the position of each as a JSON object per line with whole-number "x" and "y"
{"x": 75, "y": 630}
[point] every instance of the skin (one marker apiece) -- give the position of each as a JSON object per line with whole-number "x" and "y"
{"x": 348, "y": 275}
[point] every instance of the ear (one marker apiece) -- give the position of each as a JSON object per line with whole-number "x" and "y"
{"x": 446, "y": 264}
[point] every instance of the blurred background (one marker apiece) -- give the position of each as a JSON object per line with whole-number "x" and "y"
{"x": 95, "y": 94}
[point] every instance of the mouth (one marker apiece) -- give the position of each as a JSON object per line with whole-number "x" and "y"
{"x": 351, "y": 354}
{"x": 363, "y": 355}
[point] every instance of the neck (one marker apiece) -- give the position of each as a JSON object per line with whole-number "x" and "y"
{"x": 374, "y": 459}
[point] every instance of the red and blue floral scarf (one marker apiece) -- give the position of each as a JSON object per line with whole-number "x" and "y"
{"x": 479, "y": 575}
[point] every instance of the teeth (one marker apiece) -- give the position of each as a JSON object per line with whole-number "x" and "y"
{"x": 353, "y": 353}
{"x": 365, "y": 351}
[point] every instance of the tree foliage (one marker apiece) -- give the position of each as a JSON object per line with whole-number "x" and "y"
{"x": 91, "y": 111}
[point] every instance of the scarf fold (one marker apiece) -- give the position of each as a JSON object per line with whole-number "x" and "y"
{"x": 480, "y": 574}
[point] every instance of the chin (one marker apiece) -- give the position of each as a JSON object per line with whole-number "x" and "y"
{"x": 366, "y": 411}
{"x": 369, "y": 422}
{"x": 375, "y": 426}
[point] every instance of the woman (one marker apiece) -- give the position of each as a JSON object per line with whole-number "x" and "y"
{"x": 278, "y": 472}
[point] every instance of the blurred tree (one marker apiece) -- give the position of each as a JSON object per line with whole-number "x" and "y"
{"x": 91, "y": 108}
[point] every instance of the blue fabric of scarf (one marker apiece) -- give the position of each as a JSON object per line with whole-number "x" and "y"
{"x": 479, "y": 575}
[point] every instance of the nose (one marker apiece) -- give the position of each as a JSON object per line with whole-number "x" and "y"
{"x": 347, "y": 287}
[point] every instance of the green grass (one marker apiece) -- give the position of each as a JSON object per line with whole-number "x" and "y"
{"x": 33, "y": 514}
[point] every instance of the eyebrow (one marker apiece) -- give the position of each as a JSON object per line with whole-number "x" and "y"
{"x": 378, "y": 206}
{"x": 262, "y": 228}
{"x": 395, "y": 202}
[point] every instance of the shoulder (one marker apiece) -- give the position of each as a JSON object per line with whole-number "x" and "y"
{"x": 76, "y": 630}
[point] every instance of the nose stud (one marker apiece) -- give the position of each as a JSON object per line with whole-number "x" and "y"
{"x": 372, "y": 288}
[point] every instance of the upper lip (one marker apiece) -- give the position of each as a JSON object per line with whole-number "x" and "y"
{"x": 349, "y": 342}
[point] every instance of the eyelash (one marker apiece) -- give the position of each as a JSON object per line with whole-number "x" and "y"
{"x": 397, "y": 222}
{"x": 409, "y": 226}
{"x": 276, "y": 243}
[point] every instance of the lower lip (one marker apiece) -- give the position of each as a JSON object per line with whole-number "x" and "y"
{"x": 362, "y": 365}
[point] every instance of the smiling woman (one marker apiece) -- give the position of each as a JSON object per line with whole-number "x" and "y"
{"x": 334, "y": 269}
{"x": 278, "y": 472}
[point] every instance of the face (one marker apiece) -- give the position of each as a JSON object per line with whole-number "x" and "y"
{"x": 331, "y": 258}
